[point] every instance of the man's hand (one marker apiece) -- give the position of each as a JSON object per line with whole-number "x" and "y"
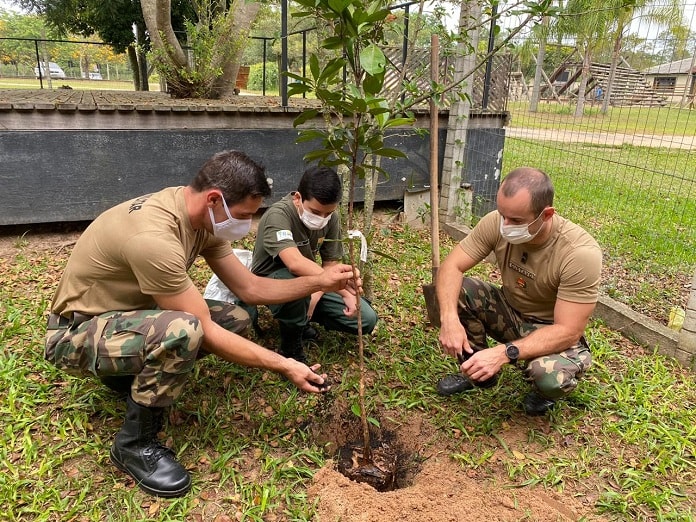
{"x": 484, "y": 364}
{"x": 305, "y": 377}
{"x": 453, "y": 338}
{"x": 351, "y": 301}
{"x": 340, "y": 277}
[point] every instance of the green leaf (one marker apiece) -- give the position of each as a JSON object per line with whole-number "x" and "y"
{"x": 333, "y": 42}
{"x": 305, "y": 116}
{"x": 355, "y": 408}
{"x": 314, "y": 66}
{"x": 310, "y": 135}
{"x": 372, "y": 84}
{"x": 373, "y": 421}
{"x": 396, "y": 122}
{"x": 297, "y": 77}
{"x": 338, "y": 6}
{"x": 383, "y": 254}
{"x": 298, "y": 88}
{"x": 372, "y": 60}
{"x": 389, "y": 153}
{"x": 332, "y": 69}
{"x": 316, "y": 154}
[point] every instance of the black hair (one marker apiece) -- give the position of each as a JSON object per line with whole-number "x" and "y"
{"x": 235, "y": 174}
{"x": 322, "y": 184}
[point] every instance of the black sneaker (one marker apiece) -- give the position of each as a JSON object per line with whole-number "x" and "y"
{"x": 535, "y": 404}
{"x": 454, "y": 383}
{"x": 457, "y": 383}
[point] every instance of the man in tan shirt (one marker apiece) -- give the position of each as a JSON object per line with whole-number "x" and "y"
{"x": 127, "y": 311}
{"x": 550, "y": 272}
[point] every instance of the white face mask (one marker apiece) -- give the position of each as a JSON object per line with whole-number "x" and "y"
{"x": 516, "y": 234}
{"x": 231, "y": 229}
{"x": 312, "y": 221}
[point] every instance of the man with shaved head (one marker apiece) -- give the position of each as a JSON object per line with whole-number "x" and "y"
{"x": 549, "y": 279}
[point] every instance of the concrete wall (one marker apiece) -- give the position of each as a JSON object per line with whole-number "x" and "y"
{"x": 77, "y": 172}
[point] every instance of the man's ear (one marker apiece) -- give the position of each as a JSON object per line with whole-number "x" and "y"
{"x": 548, "y": 213}
{"x": 212, "y": 197}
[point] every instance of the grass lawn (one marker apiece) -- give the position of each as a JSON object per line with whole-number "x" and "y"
{"x": 628, "y": 120}
{"x": 74, "y": 83}
{"x": 624, "y": 444}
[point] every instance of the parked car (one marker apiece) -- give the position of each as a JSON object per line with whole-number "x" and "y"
{"x": 95, "y": 76}
{"x": 54, "y": 69}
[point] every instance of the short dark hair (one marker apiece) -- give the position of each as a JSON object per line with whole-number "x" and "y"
{"x": 322, "y": 184}
{"x": 536, "y": 181}
{"x": 235, "y": 174}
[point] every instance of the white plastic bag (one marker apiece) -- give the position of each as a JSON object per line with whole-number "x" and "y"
{"x": 216, "y": 289}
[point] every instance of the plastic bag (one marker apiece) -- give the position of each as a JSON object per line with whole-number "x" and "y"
{"x": 216, "y": 289}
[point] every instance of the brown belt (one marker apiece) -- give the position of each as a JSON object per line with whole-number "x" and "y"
{"x": 56, "y": 322}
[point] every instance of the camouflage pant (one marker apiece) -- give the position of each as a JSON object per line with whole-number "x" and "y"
{"x": 158, "y": 347}
{"x": 484, "y": 312}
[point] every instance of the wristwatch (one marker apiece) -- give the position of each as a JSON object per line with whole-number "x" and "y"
{"x": 512, "y": 352}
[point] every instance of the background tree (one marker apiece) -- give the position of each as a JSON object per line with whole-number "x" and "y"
{"x": 18, "y": 53}
{"x": 678, "y": 43}
{"x": 113, "y": 22}
{"x": 588, "y": 22}
{"x": 669, "y": 14}
{"x": 215, "y": 39}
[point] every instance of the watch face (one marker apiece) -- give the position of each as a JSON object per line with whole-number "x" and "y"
{"x": 512, "y": 352}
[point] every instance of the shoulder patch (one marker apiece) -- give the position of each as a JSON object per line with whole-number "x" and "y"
{"x": 283, "y": 235}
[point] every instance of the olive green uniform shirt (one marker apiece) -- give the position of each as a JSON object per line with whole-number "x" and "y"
{"x": 280, "y": 227}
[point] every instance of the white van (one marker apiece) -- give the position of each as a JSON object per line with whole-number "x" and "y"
{"x": 54, "y": 68}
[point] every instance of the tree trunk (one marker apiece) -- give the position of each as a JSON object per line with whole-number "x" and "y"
{"x": 135, "y": 68}
{"x": 157, "y": 15}
{"x": 141, "y": 56}
{"x": 242, "y": 14}
{"x": 541, "y": 54}
{"x": 586, "y": 60}
{"x": 615, "y": 55}
{"x": 453, "y": 167}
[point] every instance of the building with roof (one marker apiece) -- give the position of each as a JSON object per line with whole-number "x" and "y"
{"x": 676, "y": 81}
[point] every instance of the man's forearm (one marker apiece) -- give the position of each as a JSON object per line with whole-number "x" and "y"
{"x": 266, "y": 290}
{"x": 448, "y": 287}
{"x": 546, "y": 340}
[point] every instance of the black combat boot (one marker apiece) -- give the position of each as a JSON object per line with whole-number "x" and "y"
{"x": 291, "y": 343}
{"x": 137, "y": 451}
{"x": 121, "y": 384}
{"x": 536, "y": 404}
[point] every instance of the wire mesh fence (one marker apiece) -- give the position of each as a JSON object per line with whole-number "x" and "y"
{"x": 621, "y": 155}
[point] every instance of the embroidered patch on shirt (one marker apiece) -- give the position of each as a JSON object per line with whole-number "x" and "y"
{"x": 282, "y": 235}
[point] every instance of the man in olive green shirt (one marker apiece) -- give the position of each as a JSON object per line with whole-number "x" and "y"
{"x": 292, "y": 234}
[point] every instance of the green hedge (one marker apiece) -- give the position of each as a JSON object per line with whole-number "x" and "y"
{"x": 256, "y": 76}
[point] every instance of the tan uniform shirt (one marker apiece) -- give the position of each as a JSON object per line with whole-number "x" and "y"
{"x": 135, "y": 250}
{"x": 567, "y": 266}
